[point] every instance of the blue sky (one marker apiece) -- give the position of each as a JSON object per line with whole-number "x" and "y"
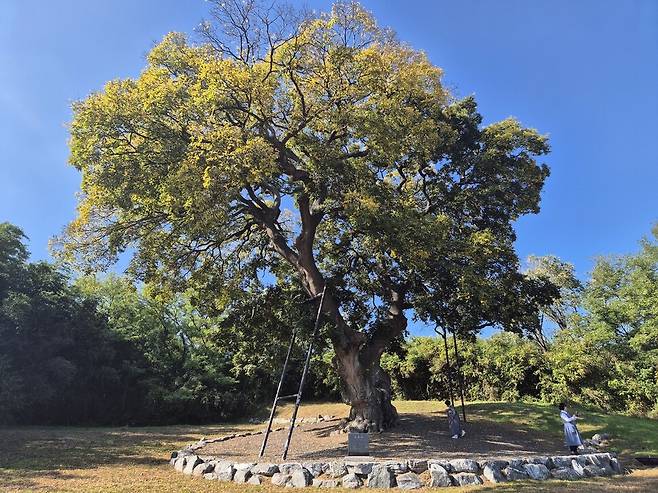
{"x": 584, "y": 72}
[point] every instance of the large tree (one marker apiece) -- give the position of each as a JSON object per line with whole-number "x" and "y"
{"x": 313, "y": 148}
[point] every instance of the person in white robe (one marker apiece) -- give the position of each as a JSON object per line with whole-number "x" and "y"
{"x": 571, "y": 435}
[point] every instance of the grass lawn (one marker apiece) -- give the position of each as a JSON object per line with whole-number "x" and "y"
{"x": 71, "y": 459}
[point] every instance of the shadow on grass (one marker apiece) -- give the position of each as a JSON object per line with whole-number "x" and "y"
{"x": 422, "y": 434}
{"x": 427, "y": 435}
{"x": 49, "y": 449}
{"x": 630, "y": 435}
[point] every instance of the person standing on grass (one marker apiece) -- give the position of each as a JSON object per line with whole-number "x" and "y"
{"x": 571, "y": 435}
{"x": 454, "y": 423}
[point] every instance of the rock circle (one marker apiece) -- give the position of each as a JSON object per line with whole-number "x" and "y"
{"x": 395, "y": 473}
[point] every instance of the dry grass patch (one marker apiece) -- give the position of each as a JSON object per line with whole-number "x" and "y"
{"x": 88, "y": 460}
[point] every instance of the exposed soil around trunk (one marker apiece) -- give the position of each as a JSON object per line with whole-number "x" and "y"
{"x": 416, "y": 436}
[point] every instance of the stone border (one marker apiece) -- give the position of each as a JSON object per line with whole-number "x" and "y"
{"x": 404, "y": 474}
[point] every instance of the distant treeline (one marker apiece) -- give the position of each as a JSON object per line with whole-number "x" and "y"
{"x": 102, "y": 351}
{"x": 601, "y": 349}
{"x": 91, "y": 351}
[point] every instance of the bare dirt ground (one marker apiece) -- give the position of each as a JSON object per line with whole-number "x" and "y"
{"x": 418, "y": 435}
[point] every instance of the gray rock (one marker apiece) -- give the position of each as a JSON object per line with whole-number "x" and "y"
{"x": 243, "y": 465}
{"x": 179, "y": 465}
{"x": 300, "y": 478}
{"x": 203, "y": 468}
{"x": 241, "y": 475}
{"x": 315, "y": 468}
{"x": 493, "y": 474}
{"x": 616, "y": 466}
{"x": 466, "y": 479}
{"x": 290, "y": 467}
{"x": 592, "y": 471}
{"x": 409, "y": 481}
{"x": 515, "y": 474}
{"x": 224, "y": 470}
{"x": 192, "y": 462}
{"x": 397, "y": 467}
{"x": 351, "y": 481}
{"x": 337, "y": 469}
{"x": 381, "y": 477}
{"x": 603, "y": 461}
{"x": 562, "y": 461}
{"x": 264, "y": 469}
{"x": 279, "y": 479}
{"x": 439, "y": 477}
{"x": 464, "y": 465}
{"x": 255, "y": 479}
{"x": 445, "y": 464}
{"x": 583, "y": 460}
{"x": 361, "y": 468}
{"x": 417, "y": 465}
{"x": 211, "y": 476}
{"x": 545, "y": 461}
{"x": 601, "y": 465}
{"x": 358, "y": 425}
{"x": 538, "y": 472}
{"x": 565, "y": 473}
{"x": 517, "y": 463}
{"x": 595, "y": 460}
{"x": 578, "y": 468}
{"x": 495, "y": 463}
{"x": 601, "y": 437}
{"x": 326, "y": 483}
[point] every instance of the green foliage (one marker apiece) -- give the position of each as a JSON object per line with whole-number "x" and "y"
{"x": 565, "y": 303}
{"x": 55, "y": 348}
{"x": 417, "y": 369}
{"x": 100, "y": 350}
{"x": 505, "y": 367}
{"x": 604, "y": 354}
{"x": 609, "y": 357}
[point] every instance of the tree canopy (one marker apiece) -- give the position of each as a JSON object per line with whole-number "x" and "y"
{"x": 313, "y": 148}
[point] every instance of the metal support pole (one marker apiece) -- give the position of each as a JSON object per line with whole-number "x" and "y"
{"x": 307, "y": 363}
{"x": 449, "y": 372}
{"x": 276, "y": 397}
{"x": 459, "y": 371}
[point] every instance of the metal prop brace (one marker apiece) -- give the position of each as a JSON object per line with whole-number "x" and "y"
{"x": 459, "y": 372}
{"x": 307, "y": 363}
{"x": 448, "y": 371}
{"x": 276, "y": 397}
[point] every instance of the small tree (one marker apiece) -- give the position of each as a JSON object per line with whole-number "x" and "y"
{"x": 566, "y": 300}
{"x": 316, "y": 148}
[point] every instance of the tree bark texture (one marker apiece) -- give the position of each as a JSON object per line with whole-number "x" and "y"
{"x": 367, "y": 388}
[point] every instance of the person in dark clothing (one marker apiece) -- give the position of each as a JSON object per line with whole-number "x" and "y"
{"x": 454, "y": 423}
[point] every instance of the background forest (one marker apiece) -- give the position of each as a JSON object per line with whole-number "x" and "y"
{"x": 103, "y": 351}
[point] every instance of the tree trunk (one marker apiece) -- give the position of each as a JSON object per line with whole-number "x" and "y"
{"x": 364, "y": 384}
{"x": 367, "y": 388}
